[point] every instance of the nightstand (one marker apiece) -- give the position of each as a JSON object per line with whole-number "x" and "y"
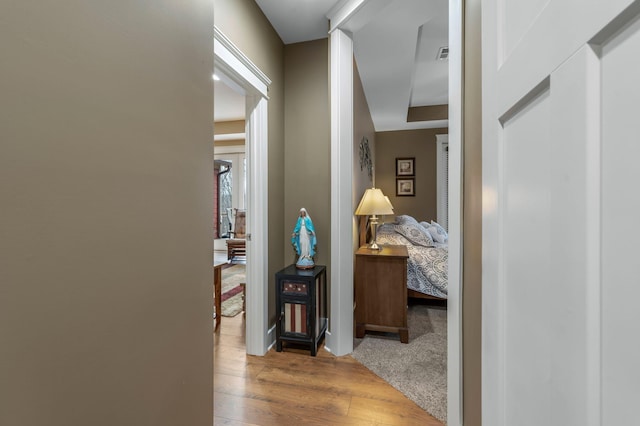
{"x": 301, "y": 296}
{"x": 381, "y": 291}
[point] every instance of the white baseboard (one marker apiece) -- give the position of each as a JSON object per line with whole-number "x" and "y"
{"x": 327, "y": 338}
{"x": 271, "y": 337}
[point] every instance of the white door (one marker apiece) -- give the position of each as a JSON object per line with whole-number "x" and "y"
{"x": 561, "y": 144}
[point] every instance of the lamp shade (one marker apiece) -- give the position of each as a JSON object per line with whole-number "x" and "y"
{"x": 374, "y": 203}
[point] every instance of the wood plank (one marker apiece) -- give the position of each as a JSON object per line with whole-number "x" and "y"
{"x": 266, "y": 413}
{"x": 366, "y": 385}
{"x": 285, "y": 394}
{"x": 390, "y": 413}
{"x": 221, "y": 421}
{"x": 291, "y": 387}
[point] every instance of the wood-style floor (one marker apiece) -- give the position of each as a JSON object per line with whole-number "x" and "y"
{"x": 293, "y": 388}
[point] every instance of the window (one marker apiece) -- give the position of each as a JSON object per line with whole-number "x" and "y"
{"x": 442, "y": 180}
{"x": 225, "y": 190}
{"x": 232, "y": 191}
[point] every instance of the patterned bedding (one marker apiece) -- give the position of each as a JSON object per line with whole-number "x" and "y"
{"x": 427, "y": 266}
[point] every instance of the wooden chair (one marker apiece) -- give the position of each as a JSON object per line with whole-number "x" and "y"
{"x": 236, "y": 245}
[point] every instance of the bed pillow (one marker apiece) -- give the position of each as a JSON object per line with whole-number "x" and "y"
{"x": 406, "y": 219}
{"x": 437, "y": 232}
{"x": 416, "y": 234}
{"x": 387, "y": 235}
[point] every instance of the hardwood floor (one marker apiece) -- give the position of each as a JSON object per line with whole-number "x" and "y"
{"x": 293, "y": 388}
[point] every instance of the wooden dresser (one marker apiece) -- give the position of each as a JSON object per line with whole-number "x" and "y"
{"x": 381, "y": 291}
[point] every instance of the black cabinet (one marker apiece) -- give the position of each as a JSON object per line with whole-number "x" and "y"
{"x": 301, "y": 306}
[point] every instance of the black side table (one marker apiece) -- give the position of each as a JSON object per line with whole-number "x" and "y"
{"x": 301, "y": 306}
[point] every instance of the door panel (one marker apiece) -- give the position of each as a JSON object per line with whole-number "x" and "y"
{"x": 517, "y": 18}
{"x": 526, "y": 209}
{"x": 620, "y": 229}
{"x": 560, "y": 128}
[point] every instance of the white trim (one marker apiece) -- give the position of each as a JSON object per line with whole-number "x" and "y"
{"x": 229, "y": 137}
{"x": 234, "y": 63}
{"x": 271, "y": 337}
{"x": 257, "y": 295}
{"x": 233, "y": 149}
{"x": 442, "y": 142}
{"x": 594, "y": 239}
{"x": 342, "y": 11}
{"x": 340, "y": 340}
{"x": 454, "y": 302}
{"x": 236, "y": 69}
{"x": 351, "y": 15}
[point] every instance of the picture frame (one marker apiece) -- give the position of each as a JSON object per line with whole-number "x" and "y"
{"x": 405, "y": 166}
{"x": 405, "y": 187}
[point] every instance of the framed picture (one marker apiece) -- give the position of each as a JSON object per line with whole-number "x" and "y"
{"x": 405, "y": 166}
{"x": 405, "y": 187}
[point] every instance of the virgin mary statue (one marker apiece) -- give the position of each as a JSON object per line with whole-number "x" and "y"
{"x": 304, "y": 240}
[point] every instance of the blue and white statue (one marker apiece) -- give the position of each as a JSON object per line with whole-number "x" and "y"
{"x": 304, "y": 240}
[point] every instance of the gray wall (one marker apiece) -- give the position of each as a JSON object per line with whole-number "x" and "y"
{"x": 420, "y": 144}
{"x": 362, "y": 127}
{"x": 472, "y": 217}
{"x": 105, "y": 217}
{"x": 245, "y": 25}
{"x": 308, "y": 143}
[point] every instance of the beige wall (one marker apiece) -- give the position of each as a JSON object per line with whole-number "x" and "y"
{"x": 232, "y": 142}
{"x": 420, "y": 144}
{"x": 105, "y": 225}
{"x": 428, "y": 113}
{"x": 307, "y": 143}
{"x": 472, "y": 216}
{"x": 245, "y": 25}
{"x": 362, "y": 127}
{"x": 226, "y": 127}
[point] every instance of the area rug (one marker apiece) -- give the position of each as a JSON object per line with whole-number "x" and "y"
{"x": 231, "y": 290}
{"x": 417, "y": 369}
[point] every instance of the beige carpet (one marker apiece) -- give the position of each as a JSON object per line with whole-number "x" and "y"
{"x": 417, "y": 369}
{"x": 231, "y": 291}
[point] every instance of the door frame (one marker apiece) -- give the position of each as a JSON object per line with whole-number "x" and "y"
{"x": 237, "y": 71}
{"x": 340, "y": 336}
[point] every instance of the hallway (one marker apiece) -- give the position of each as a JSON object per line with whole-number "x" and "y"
{"x": 293, "y": 388}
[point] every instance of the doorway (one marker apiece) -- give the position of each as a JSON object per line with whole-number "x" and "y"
{"x": 230, "y": 163}
{"x": 243, "y": 77}
{"x": 340, "y": 337}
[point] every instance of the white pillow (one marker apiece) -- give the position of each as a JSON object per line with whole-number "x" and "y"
{"x": 406, "y": 219}
{"x": 416, "y": 234}
{"x": 438, "y": 233}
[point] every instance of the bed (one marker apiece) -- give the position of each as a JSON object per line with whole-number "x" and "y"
{"x": 427, "y": 274}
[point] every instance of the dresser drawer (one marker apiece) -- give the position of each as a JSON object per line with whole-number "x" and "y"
{"x": 294, "y": 288}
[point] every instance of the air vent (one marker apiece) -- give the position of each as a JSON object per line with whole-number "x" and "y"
{"x": 443, "y": 53}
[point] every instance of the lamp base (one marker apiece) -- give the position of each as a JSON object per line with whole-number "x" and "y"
{"x": 374, "y": 233}
{"x": 374, "y": 246}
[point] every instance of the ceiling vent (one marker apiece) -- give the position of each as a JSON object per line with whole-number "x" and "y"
{"x": 443, "y": 53}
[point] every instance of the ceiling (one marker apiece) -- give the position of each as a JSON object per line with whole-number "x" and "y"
{"x": 298, "y": 20}
{"x": 228, "y": 105}
{"x": 395, "y": 45}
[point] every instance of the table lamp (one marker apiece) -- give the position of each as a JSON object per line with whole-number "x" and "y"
{"x": 374, "y": 203}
